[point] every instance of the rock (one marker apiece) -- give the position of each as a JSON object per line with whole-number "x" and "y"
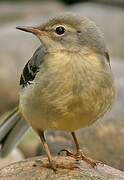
{"x": 111, "y": 2}
{"x": 34, "y": 169}
{"x": 14, "y": 156}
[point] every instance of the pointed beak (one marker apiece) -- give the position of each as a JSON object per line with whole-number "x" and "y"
{"x": 30, "y": 29}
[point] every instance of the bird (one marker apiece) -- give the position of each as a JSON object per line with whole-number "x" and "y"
{"x": 66, "y": 85}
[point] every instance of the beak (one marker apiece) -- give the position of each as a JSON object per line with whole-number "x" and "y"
{"x": 30, "y": 29}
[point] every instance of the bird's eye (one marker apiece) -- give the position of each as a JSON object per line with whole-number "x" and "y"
{"x": 60, "y": 30}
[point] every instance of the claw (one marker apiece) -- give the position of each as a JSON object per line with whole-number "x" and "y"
{"x": 81, "y": 156}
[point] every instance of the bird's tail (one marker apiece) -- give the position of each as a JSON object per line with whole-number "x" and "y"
{"x": 12, "y": 129}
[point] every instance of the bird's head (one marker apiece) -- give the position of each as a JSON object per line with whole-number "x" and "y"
{"x": 68, "y": 33}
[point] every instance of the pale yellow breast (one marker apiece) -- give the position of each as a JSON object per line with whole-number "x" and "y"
{"x": 71, "y": 91}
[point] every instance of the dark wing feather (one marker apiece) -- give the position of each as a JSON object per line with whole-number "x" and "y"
{"x": 32, "y": 67}
{"x": 107, "y": 57}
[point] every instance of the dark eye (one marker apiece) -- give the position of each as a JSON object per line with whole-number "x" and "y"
{"x": 60, "y": 30}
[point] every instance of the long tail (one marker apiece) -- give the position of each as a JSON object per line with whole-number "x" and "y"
{"x": 12, "y": 129}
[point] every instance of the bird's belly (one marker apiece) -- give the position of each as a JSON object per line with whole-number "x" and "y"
{"x": 51, "y": 117}
{"x": 64, "y": 111}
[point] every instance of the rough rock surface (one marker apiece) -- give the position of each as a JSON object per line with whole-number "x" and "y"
{"x": 34, "y": 169}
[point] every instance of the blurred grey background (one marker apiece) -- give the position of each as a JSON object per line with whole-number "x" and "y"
{"x": 105, "y": 139}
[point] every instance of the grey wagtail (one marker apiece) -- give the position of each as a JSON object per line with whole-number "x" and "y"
{"x": 66, "y": 85}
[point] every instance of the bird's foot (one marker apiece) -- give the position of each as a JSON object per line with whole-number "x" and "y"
{"x": 50, "y": 165}
{"x": 81, "y": 156}
{"x": 54, "y": 166}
